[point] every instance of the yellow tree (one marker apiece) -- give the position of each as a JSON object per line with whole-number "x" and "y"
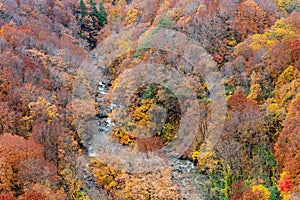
{"x": 42, "y": 110}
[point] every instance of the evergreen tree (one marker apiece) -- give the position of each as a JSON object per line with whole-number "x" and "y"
{"x": 95, "y": 13}
{"x": 92, "y": 22}
{"x": 102, "y": 20}
{"x": 93, "y": 3}
{"x": 83, "y": 10}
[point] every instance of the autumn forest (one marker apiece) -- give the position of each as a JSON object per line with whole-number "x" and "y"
{"x": 149, "y": 99}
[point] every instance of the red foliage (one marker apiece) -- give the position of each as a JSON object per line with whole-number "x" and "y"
{"x": 285, "y": 184}
{"x": 243, "y": 117}
{"x": 239, "y": 103}
{"x": 34, "y": 195}
{"x": 7, "y": 197}
{"x": 149, "y": 144}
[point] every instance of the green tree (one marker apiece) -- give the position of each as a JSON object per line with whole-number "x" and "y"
{"x": 95, "y": 12}
{"x": 102, "y": 19}
{"x": 101, "y": 15}
{"x": 83, "y": 9}
{"x": 164, "y": 22}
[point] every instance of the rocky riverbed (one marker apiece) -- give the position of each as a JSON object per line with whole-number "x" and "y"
{"x": 185, "y": 175}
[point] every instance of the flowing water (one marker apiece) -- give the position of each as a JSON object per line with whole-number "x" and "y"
{"x": 190, "y": 181}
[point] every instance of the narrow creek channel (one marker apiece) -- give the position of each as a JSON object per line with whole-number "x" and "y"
{"x": 185, "y": 175}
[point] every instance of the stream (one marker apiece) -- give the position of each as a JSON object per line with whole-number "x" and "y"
{"x": 185, "y": 175}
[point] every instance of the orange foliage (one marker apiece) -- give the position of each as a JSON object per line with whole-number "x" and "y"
{"x": 41, "y": 50}
{"x": 253, "y": 195}
{"x": 22, "y": 163}
{"x": 287, "y": 149}
{"x": 17, "y": 36}
{"x": 250, "y": 19}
